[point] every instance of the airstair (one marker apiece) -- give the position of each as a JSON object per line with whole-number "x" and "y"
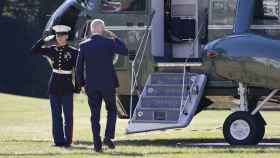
{"x": 169, "y": 100}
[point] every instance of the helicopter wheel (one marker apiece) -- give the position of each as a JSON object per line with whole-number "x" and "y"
{"x": 242, "y": 128}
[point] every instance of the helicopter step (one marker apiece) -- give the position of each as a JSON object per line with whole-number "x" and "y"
{"x": 165, "y": 90}
{"x": 167, "y": 102}
{"x": 179, "y": 64}
{"x": 158, "y": 109}
{"x": 168, "y": 78}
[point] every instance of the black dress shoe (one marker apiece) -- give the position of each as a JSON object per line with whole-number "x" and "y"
{"x": 109, "y": 143}
{"x": 58, "y": 145}
{"x": 98, "y": 148}
{"x": 67, "y": 145}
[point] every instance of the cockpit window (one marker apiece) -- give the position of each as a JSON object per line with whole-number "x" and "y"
{"x": 89, "y": 4}
{"x": 112, "y": 6}
{"x": 222, "y": 12}
{"x": 268, "y": 12}
{"x": 87, "y": 31}
{"x": 66, "y": 14}
{"x": 271, "y": 8}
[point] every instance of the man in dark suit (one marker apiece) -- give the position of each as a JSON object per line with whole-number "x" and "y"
{"x": 96, "y": 60}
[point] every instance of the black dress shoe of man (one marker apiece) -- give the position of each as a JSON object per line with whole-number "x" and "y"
{"x": 67, "y": 145}
{"x": 109, "y": 143}
{"x": 98, "y": 148}
{"x": 58, "y": 145}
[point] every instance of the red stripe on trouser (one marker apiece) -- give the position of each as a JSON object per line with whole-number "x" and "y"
{"x": 71, "y": 132}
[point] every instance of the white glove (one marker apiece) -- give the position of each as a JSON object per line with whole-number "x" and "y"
{"x": 116, "y": 58}
{"x": 49, "y": 38}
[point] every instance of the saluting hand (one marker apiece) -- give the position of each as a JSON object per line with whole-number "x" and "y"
{"x": 110, "y": 34}
{"x": 49, "y": 38}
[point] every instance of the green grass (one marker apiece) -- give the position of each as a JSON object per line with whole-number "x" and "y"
{"x": 25, "y": 131}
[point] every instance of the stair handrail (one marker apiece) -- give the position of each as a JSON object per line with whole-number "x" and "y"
{"x": 184, "y": 102}
{"x": 139, "y": 54}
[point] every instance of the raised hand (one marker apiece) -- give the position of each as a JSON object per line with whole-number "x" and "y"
{"x": 49, "y": 38}
{"x": 111, "y": 34}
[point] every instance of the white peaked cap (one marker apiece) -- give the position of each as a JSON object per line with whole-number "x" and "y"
{"x": 61, "y": 28}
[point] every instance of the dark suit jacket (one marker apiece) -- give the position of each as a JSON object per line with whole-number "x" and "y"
{"x": 96, "y": 59}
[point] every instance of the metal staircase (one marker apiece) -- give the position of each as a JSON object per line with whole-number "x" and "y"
{"x": 163, "y": 104}
{"x": 168, "y": 100}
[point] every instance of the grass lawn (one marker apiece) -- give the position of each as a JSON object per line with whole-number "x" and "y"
{"x": 25, "y": 131}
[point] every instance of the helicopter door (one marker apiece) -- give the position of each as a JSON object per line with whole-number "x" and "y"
{"x": 126, "y": 18}
{"x": 187, "y": 20}
{"x": 177, "y": 29}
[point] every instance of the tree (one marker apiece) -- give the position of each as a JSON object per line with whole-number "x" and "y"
{"x": 2, "y": 4}
{"x": 22, "y": 23}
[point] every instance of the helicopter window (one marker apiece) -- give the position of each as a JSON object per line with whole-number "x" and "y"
{"x": 271, "y": 8}
{"x": 67, "y": 14}
{"x": 89, "y": 4}
{"x": 267, "y": 12}
{"x": 87, "y": 31}
{"x": 113, "y": 6}
{"x": 222, "y": 12}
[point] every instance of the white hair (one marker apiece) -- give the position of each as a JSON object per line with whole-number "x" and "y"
{"x": 96, "y": 22}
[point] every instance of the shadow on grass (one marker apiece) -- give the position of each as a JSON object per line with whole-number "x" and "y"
{"x": 213, "y": 142}
{"x": 73, "y": 151}
{"x": 180, "y": 143}
{"x": 84, "y": 154}
{"x": 203, "y": 145}
{"x": 24, "y": 141}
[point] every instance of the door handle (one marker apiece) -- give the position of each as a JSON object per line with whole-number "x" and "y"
{"x": 129, "y": 24}
{"x": 141, "y": 24}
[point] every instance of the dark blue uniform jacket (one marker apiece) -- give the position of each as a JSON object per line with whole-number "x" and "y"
{"x": 96, "y": 59}
{"x": 62, "y": 58}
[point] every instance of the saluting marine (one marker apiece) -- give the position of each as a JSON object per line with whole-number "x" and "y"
{"x": 61, "y": 88}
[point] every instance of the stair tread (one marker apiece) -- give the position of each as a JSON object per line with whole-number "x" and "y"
{"x": 160, "y": 105}
{"x": 165, "y": 85}
{"x": 160, "y": 109}
{"x": 152, "y": 121}
{"x": 156, "y": 115}
{"x": 171, "y": 73}
{"x": 163, "y": 97}
{"x": 170, "y": 79}
{"x": 179, "y": 64}
{"x": 166, "y": 91}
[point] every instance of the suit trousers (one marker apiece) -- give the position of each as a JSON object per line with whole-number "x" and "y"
{"x": 62, "y": 132}
{"x": 95, "y": 102}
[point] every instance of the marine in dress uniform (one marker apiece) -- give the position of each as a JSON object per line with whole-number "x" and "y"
{"x": 63, "y": 60}
{"x": 96, "y": 58}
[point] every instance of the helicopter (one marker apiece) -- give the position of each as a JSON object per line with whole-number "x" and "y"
{"x": 182, "y": 51}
